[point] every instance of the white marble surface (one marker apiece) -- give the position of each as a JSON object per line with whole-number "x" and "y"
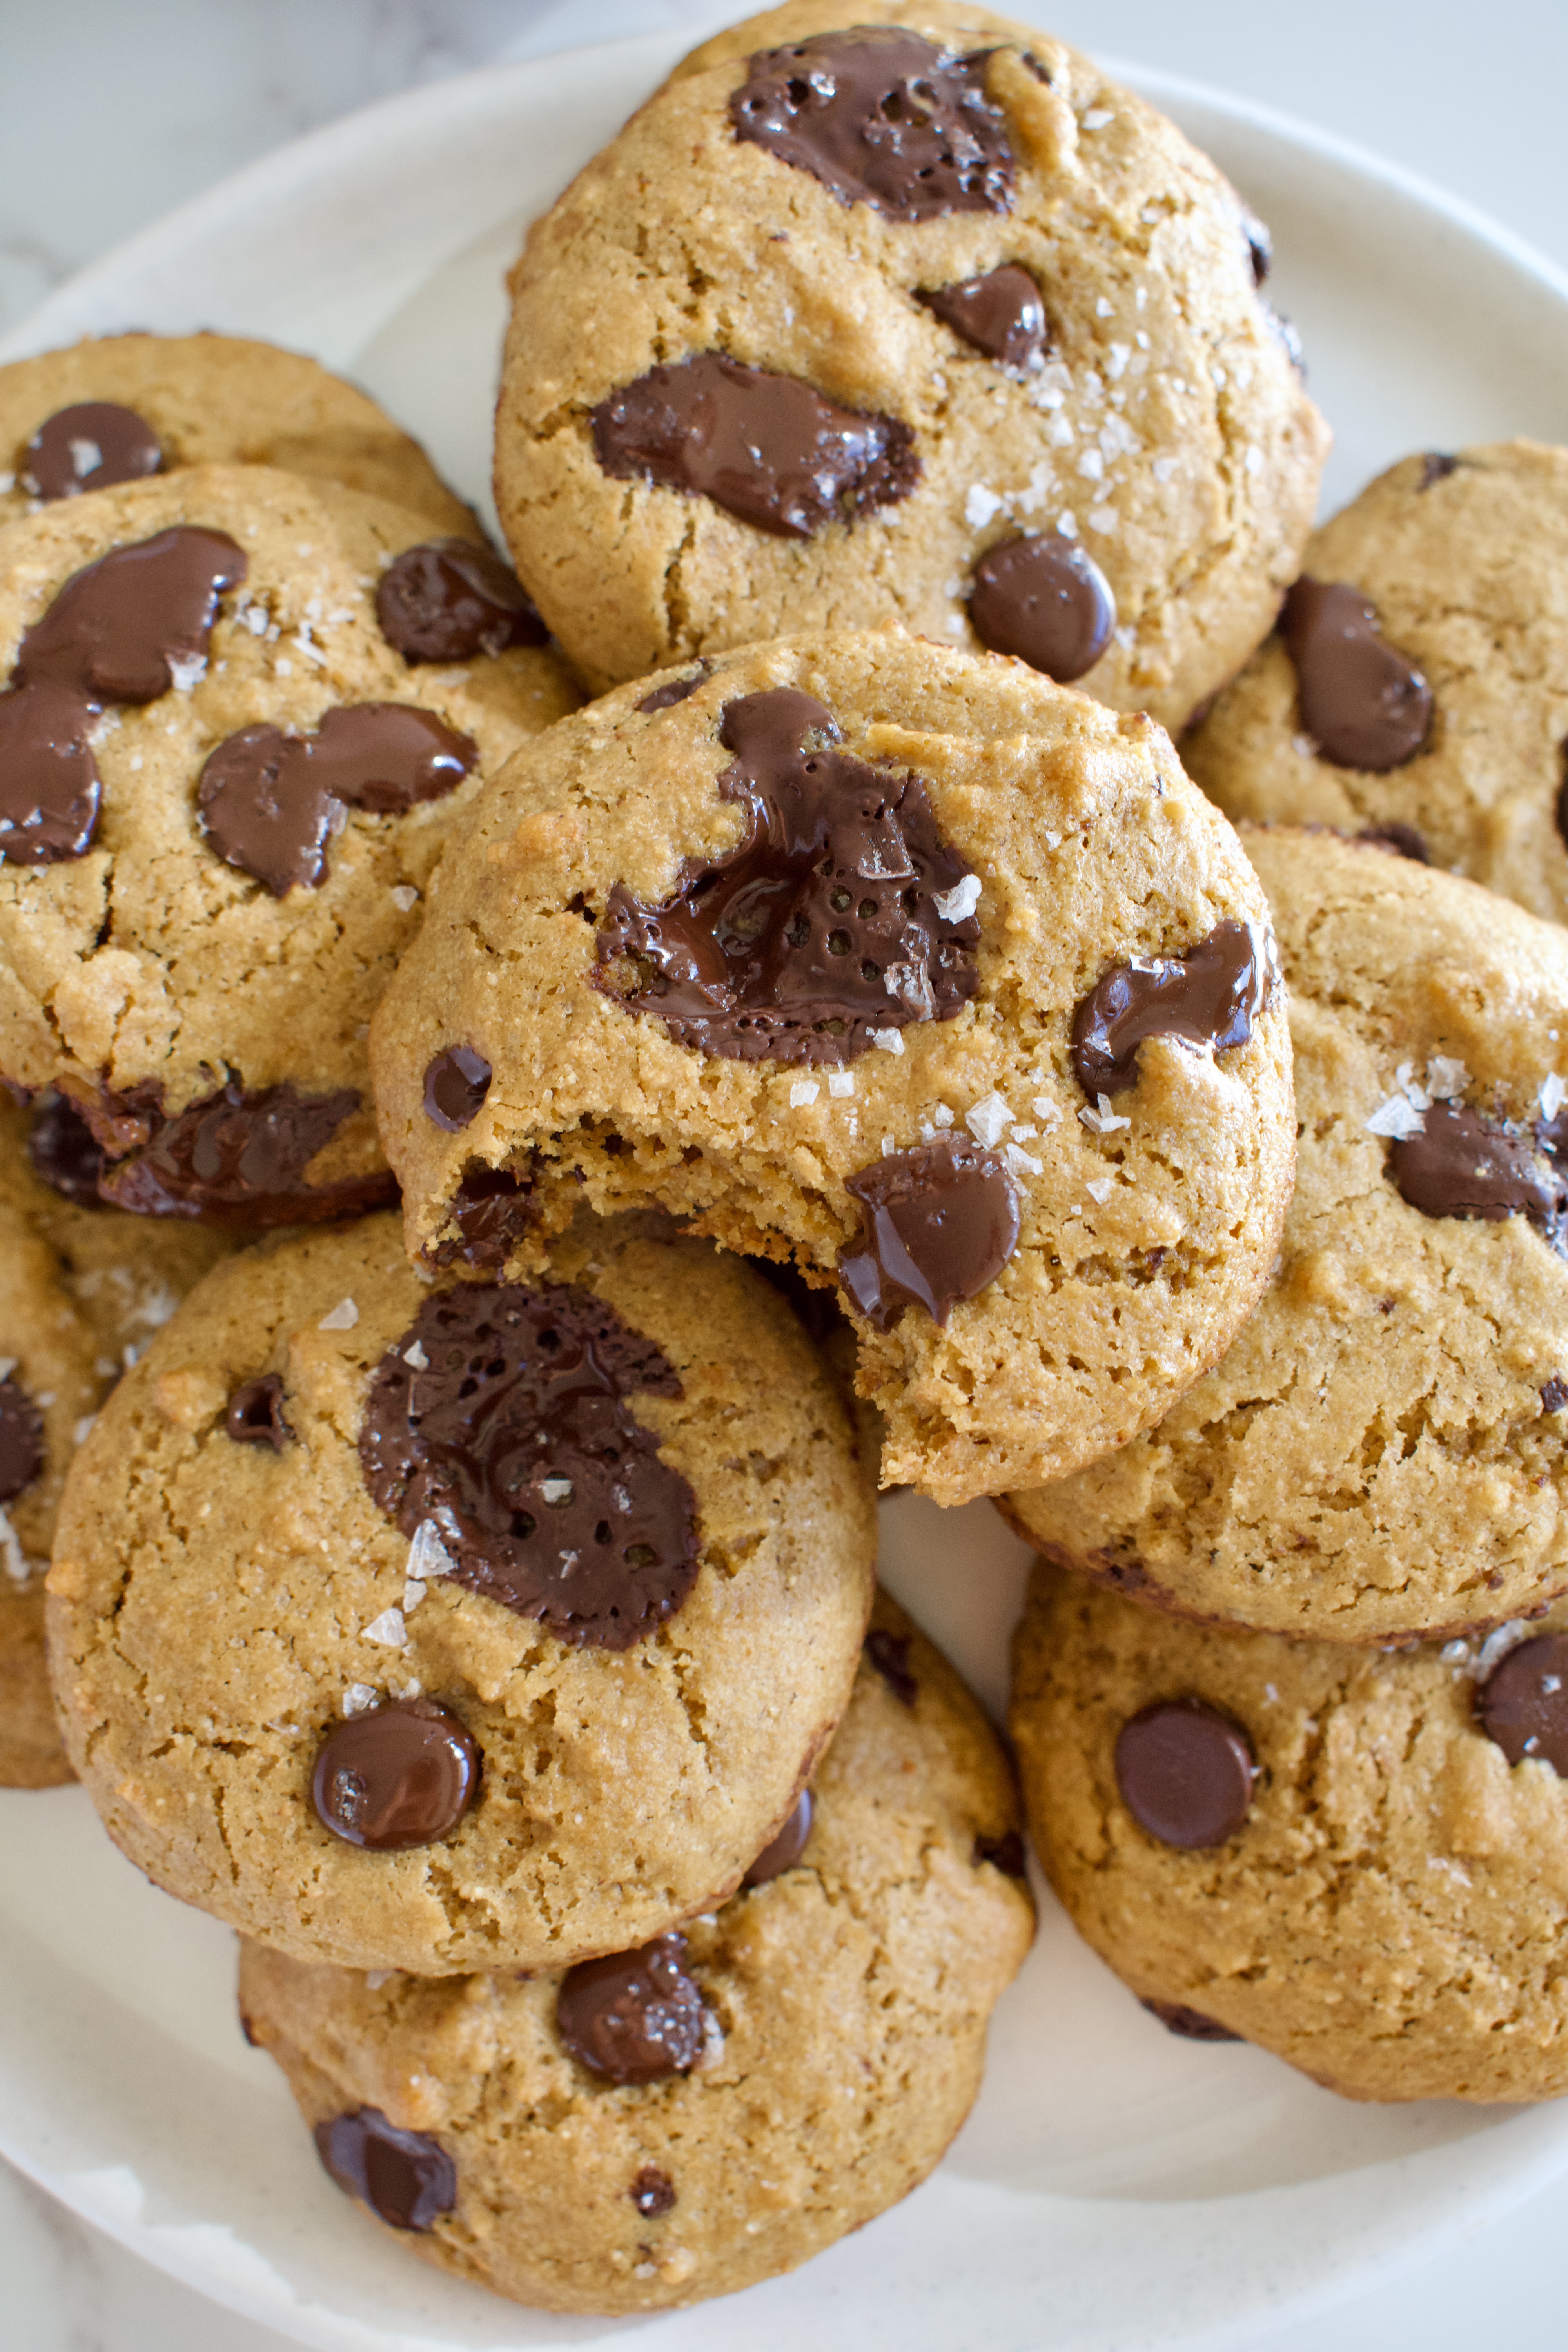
{"x": 111, "y": 115}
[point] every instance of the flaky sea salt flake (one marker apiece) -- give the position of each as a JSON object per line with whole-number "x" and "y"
{"x": 957, "y": 905}
{"x": 344, "y": 1317}
{"x": 360, "y": 1699}
{"x": 840, "y": 1083}
{"x": 388, "y": 1631}
{"x": 1552, "y": 1096}
{"x": 988, "y": 1120}
{"x": 1101, "y": 1188}
{"x": 1396, "y": 1118}
{"x": 802, "y": 1092}
{"x": 427, "y": 1555}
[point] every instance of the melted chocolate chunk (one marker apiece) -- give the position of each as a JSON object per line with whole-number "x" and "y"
{"x": 490, "y": 1212}
{"x": 882, "y": 118}
{"x": 516, "y": 1441}
{"x": 241, "y": 1159}
{"x": 664, "y": 697}
{"x": 939, "y": 1223}
{"x": 90, "y": 445}
{"x": 1523, "y": 1703}
{"x": 1189, "y": 2023}
{"x": 1259, "y": 244}
{"x": 450, "y": 599}
{"x": 1553, "y": 1395}
{"x": 1364, "y": 704}
{"x": 1401, "y": 839}
{"x": 652, "y": 2192}
{"x": 263, "y": 810}
{"x": 1209, "y": 997}
{"x": 405, "y": 2177}
{"x": 766, "y": 447}
{"x": 1045, "y": 599}
{"x": 1436, "y": 467}
{"x": 65, "y": 1152}
{"x": 49, "y": 785}
{"x": 1185, "y": 1773}
{"x": 254, "y": 1415}
{"x": 404, "y": 1775}
{"x": 889, "y": 1653}
{"x": 119, "y": 629}
{"x": 1001, "y": 314}
{"x": 822, "y": 928}
{"x": 1467, "y": 1165}
{"x": 457, "y": 1081}
{"x": 633, "y": 2016}
{"x": 1005, "y": 1854}
{"x": 21, "y": 1440}
{"x": 784, "y": 1850}
{"x": 387, "y": 757}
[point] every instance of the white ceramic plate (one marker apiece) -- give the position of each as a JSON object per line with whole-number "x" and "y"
{"x": 1114, "y": 2188}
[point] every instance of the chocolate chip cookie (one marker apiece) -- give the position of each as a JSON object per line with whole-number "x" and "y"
{"x": 240, "y": 713}
{"x": 1356, "y": 1859}
{"x": 1383, "y": 1451}
{"x": 84, "y": 1288}
{"x": 123, "y": 408}
{"x": 439, "y": 1626}
{"x": 1418, "y": 681}
{"x": 687, "y": 2117}
{"x": 905, "y": 963}
{"x": 929, "y": 322}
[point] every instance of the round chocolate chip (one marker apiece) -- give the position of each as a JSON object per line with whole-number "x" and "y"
{"x": 455, "y": 1084}
{"x": 405, "y": 2177}
{"x": 50, "y": 790}
{"x": 450, "y": 599}
{"x": 65, "y": 1152}
{"x": 1191, "y": 2024}
{"x": 1364, "y": 704}
{"x": 1046, "y": 600}
{"x": 89, "y": 446}
{"x": 254, "y": 1415}
{"x": 1185, "y": 1773}
{"x": 633, "y": 2016}
{"x": 652, "y": 2192}
{"x": 1523, "y": 1703}
{"x": 264, "y": 809}
{"x": 404, "y": 1775}
{"x": 21, "y": 1440}
{"x": 784, "y": 1850}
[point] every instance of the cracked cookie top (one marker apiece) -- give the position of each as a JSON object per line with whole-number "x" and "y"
{"x": 931, "y": 323}
{"x": 1383, "y": 1452}
{"x": 495, "y": 1625}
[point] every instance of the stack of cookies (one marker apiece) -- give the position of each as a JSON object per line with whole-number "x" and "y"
{"x": 848, "y": 1046}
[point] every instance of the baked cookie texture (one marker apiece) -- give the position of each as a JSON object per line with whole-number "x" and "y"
{"x": 1381, "y": 1453}
{"x": 84, "y": 1289}
{"x": 141, "y": 971}
{"x": 1464, "y": 562}
{"x": 847, "y": 2002}
{"x": 1161, "y": 424}
{"x": 212, "y": 400}
{"x": 1143, "y": 1233}
{"x": 229, "y": 1594}
{"x": 1390, "y": 1914}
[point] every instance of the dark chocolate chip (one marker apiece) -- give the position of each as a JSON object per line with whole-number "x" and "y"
{"x": 450, "y": 599}
{"x": 1259, "y": 244}
{"x": 1464, "y": 1164}
{"x": 263, "y": 810}
{"x": 1001, "y": 314}
{"x": 1209, "y": 997}
{"x": 254, "y": 1415}
{"x": 516, "y": 1441}
{"x": 889, "y": 1653}
{"x": 766, "y": 447}
{"x": 1553, "y": 1395}
{"x": 882, "y": 118}
{"x": 65, "y": 1152}
{"x": 89, "y": 447}
{"x": 652, "y": 2192}
{"x": 633, "y": 2016}
{"x": 1401, "y": 839}
{"x": 1005, "y": 1854}
{"x": 1191, "y": 2024}
{"x": 405, "y": 2177}
{"x": 1045, "y": 599}
{"x": 243, "y": 1159}
{"x": 1523, "y": 1703}
{"x": 387, "y": 757}
{"x": 664, "y": 697}
{"x": 120, "y": 627}
{"x": 1436, "y": 467}
{"x": 1185, "y": 1773}
{"x": 822, "y": 928}
{"x": 1364, "y": 704}
{"x": 784, "y": 1849}
{"x": 50, "y": 790}
{"x": 403, "y": 1775}
{"x": 939, "y": 1223}
{"x": 486, "y": 1216}
{"x": 457, "y": 1081}
{"x": 21, "y": 1440}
